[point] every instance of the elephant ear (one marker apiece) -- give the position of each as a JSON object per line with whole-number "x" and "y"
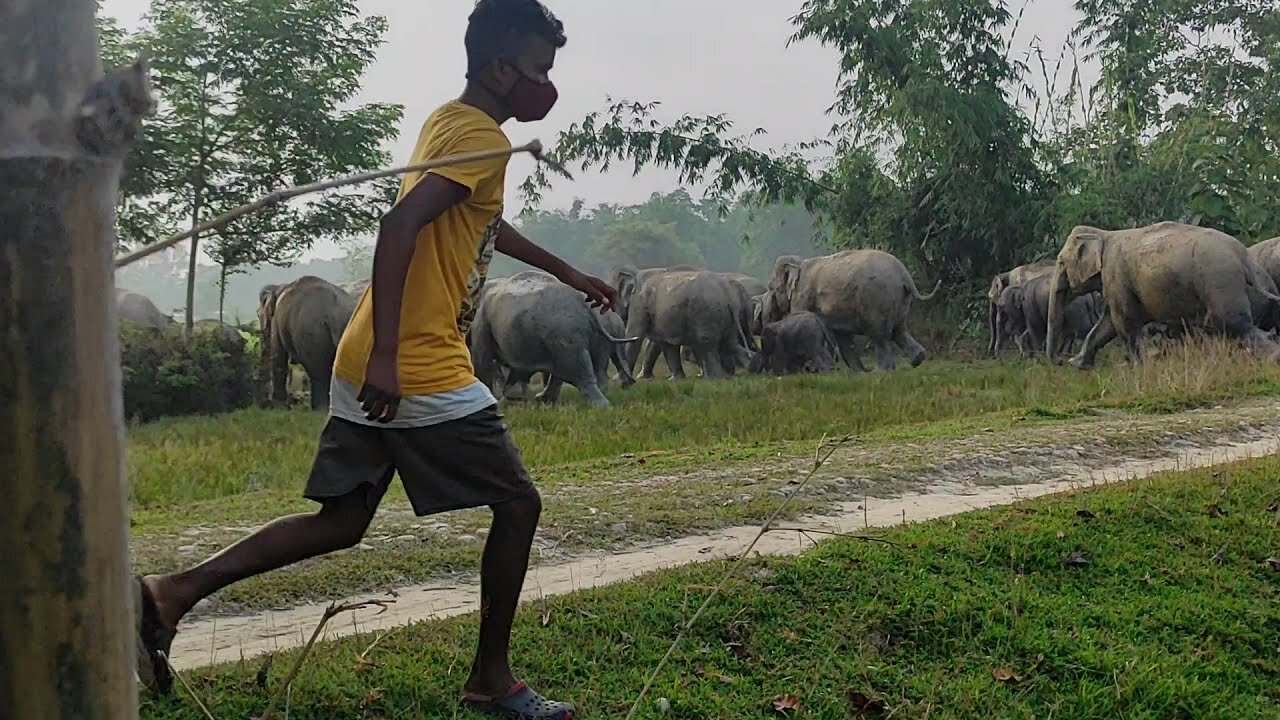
{"x": 792, "y": 280}
{"x": 1086, "y": 263}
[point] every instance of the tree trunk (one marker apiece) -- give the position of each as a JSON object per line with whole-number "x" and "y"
{"x": 191, "y": 264}
{"x": 222, "y": 290}
{"x": 66, "y": 620}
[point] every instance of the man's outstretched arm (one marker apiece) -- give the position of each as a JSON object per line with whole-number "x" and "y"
{"x": 513, "y": 244}
{"x": 397, "y": 237}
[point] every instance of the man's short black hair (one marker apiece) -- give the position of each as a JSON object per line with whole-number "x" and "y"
{"x": 497, "y": 27}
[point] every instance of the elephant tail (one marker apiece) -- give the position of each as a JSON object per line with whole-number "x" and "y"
{"x": 915, "y": 291}
{"x": 599, "y": 323}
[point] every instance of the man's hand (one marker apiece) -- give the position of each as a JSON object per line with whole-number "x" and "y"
{"x": 380, "y": 396}
{"x": 599, "y": 293}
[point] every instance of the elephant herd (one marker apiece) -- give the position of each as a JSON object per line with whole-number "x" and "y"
{"x": 1167, "y": 278}
{"x": 807, "y": 317}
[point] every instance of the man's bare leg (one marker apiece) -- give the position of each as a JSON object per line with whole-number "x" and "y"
{"x": 340, "y": 523}
{"x": 502, "y": 572}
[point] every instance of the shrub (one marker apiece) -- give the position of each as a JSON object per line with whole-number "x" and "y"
{"x": 164, "y": 373}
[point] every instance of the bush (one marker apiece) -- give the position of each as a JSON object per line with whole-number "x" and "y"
{"x": 164, "y": 373}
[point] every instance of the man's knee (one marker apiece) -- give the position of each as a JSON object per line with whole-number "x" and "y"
{"x": 526, "y": 508}
{"x": 346, "y": 518}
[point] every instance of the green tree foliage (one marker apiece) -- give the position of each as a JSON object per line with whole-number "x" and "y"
{"x": 936, "y": 156}
{"x": 254, "y": 97}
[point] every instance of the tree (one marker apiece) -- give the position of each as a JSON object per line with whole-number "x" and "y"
{"x": 643, "y": 243}
{"x": 251, "y": 101}
{"x": 66, "y": 631}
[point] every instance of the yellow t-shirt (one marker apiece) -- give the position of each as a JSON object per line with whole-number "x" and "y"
{"x": 449, "y": 263}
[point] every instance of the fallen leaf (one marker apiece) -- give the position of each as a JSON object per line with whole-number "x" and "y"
{"x": 1273, "y": 563}
{"x": 1061, "y": 535}
{"x": 786, "y": 704}
{"x": 863, "y": 705}
{"x": 738, "y": 649}
{"x": 1004, "y": 674}
{"x": 546, "y": 617}
{"x": 1085, "y": 514}
{"x": 1075, "y": 559}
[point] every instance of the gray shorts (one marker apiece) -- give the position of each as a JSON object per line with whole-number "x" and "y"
{"x": 463, "y": 463}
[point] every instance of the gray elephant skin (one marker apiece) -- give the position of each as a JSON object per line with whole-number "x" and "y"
{"x": 1023, "y": 314}
{"x": 629, "y": 280}
{"x": 532, "y": 322}
{"x": 800, "y": 342}
{"x": 855, "y": 292}
{"x": 700, "y": 309}
{"x": 139, "y": 310}
{"x": 1267, "y": 255}
{"x": 1003, "y": 281}
{"x": 302, "y": 322}
{"x": 1171, "y": 273}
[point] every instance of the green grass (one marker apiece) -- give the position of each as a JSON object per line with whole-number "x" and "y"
{"x": 1174, "y": 616}
{"x": 174, "y": 463}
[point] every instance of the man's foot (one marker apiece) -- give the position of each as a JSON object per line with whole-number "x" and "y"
{"x": 153, "y": 642}
{"x": 520, "y": 703}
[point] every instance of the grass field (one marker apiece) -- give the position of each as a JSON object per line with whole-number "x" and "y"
{"x": 668, "y": 459}
{"x": 1154, "y": 599}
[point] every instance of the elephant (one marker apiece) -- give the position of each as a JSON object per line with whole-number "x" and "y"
{"x": 531, "y": 323}
{"x": 1023, "y": 314}
{"x": 139, "y": 310}
{"x": 1168, "y": 272}
{"x": 698, "y": 308}
{"x": 1267, "y": 255}
{"x": 1011, "y": 278}
{"x": 800, "y": 342}
{"x": 230, "y": 333}
{"x": 302, "y": 322}
{"x": 743, "y": 285}
{"x": 854, "y": 292}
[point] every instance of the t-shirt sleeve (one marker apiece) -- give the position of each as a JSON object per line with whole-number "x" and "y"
{"x": 473, "y": 140}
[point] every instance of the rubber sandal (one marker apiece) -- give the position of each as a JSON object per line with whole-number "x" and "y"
{"x": 522, "y": 703}
{"x": 153, "y": 643}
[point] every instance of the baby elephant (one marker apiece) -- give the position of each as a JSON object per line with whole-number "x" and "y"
{"x": 1023, "y": 314}
{"x": 800, "y": 342}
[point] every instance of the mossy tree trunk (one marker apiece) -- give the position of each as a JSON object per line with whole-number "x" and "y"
{"x": 66, "y": 615}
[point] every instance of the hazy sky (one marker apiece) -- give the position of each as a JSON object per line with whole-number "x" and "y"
{"x": 695, "y": 56}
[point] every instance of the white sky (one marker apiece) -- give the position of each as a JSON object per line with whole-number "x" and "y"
{"x": 695, "y": 56}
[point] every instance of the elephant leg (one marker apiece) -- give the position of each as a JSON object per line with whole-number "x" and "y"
{"x": 993, "y": 327}
{"x": 616, "y": 355}
{"x": 319, "y": 390}
{"x": 671, "y": 353}
{"x": 551, "y": 393}
{"x": 849, "y": 351}
{"x": 651, "y": 353}
{"x": 886, "y": 355}
{"x": 914, "y": 349}
{"x": 1021, "y": 341}
{"x": 709, "y": 361}
{"x": 519, "y": 382}
{"x": 1101, "y": 334}
{"x": 279, "y": 393}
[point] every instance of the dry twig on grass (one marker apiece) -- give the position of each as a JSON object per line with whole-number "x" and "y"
{"x": 819, "y": 459}
{"x": 330, "y": 612}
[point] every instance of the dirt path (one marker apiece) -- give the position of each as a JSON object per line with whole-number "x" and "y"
{"x": 221, "y": 639}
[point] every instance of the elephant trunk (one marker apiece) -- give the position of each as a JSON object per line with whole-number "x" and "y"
{"x": 1059, "y": 295}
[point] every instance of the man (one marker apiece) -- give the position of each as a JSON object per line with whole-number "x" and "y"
{"x": 404, "y": 393}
